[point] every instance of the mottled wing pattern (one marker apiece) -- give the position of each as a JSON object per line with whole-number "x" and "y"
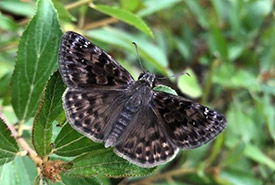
{"x": 188, "y": 124}
{"x": 92, "y": 113}
{"x": 84, "y": 65}
{"x": 99, "y": 92}
{"x": 145, "y": 143}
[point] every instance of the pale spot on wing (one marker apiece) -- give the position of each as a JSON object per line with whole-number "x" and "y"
{"x": 97, "y": 50}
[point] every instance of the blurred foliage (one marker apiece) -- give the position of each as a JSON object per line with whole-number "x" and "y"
{"x": 227, "y": 47}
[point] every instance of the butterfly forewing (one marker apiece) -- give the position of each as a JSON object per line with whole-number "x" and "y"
{"x": 188, "y": 124}
{"x": 86, "y": 66}
{"x": 96, "y": 83}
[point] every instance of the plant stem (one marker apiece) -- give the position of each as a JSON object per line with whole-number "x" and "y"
{"x": 23, "y": 144}
{"x": 77, "y": 4}
{"x": 9, "y": 46}
{"x": 205, "y": 95}
{"x": 20, "y": 128}
{"x": 100, "y": 23}
{"x": 215, "y": 150}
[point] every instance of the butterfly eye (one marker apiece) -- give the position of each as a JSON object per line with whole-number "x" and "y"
{"x": 141, "y": 75}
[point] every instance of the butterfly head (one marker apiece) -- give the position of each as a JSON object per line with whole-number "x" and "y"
{"x": 148, "y": 77}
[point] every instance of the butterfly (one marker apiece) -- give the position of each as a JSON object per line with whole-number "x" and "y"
{"x": 104, "y": 103}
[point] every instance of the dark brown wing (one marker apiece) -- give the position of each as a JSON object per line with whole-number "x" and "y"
{"x": 144, "y": 142}
{"x": 92, "y": 113}
{"x": 84, "y": 65}
{"x": 188, "y": 124}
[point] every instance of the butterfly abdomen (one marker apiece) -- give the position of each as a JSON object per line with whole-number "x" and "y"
{"x": 126, "y": 116}
{"x": 122, "y": 121}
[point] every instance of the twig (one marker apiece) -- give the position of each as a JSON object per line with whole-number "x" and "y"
{"x": 100, "y": 23}
{"x": 31, "y": 153}
{"x": 24, "y": 21}
{"x": 76, "y": 4}
{"x": 9, "y": 46}
{"x": 167, "y": 175}
{"x": 20, "y": 128}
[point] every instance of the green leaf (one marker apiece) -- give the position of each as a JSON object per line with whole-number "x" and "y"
{"x": 50, "y": 109}
{"x": 234, "y": 18}
{"x": 227, "y": 76}
{"x": 71, "y": 143}
{"x": 199, "y": 12}
{"x": 216, "y": 150}
{"x": 220, "y": 8}
{"x": 235, "y": 50}
{"x": 125, "y": 16}
{"x": 151, "y": 6}
{"x": 7, "y": 23}
{"x": 5, "y": 62}
{"x": 189, "y": 84}
{"x": 234, "y": 154}
{"x": 5, "y": 84}
{"x": 183, "y": 48}
{"x": 238, "y": 177}
{"x": 254, "y": 153}
{"x": 81, "y": 181}
{"x": 196, "y": 156}
{"x": 18, "y": 7}
{"x": 8, "y": 145}
{"x": 20, "y": 171}
{"x": 267, "y": 56}
{"x": 36, "y": 60}
{"x": 267, "y": 110}
{"x": 130, "y": 5}
{"x": 67, "y": 180}
{"x": 164, "y": 88}
{"x": 218, "y": 43}
{"x": 240, "y": 124}
{"x": 105, "y": 162}
{"x": 63, "y": 13}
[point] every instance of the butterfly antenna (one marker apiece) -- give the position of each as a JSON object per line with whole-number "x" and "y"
{"x": 175, "y": 75}
{"x": 139, "y": 60}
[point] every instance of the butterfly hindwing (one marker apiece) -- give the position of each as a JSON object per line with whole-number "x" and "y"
{"x": 188, "y": 124}
{"x": 92, "y": 113}
{"x": 145, "y": 142}
{"x": 84, "y": 65}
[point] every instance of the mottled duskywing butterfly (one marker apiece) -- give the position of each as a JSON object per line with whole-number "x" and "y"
{"x": 104, "y": 103}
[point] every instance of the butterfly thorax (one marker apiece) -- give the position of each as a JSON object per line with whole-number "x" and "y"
{"x": 147, "y": 77}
